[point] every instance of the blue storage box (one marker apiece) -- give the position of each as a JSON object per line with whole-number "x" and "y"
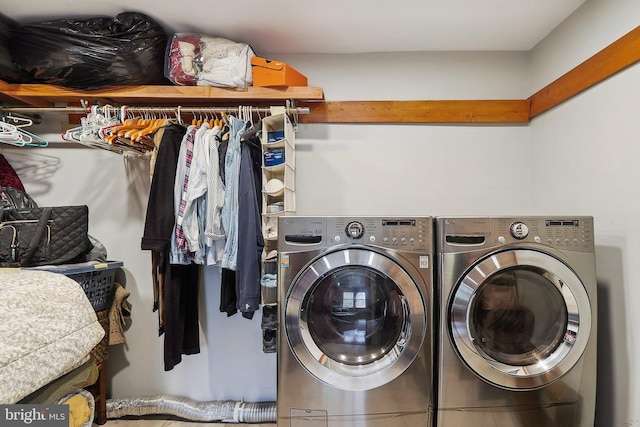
{"x": 275, "y": 136}
{"x": 273, "y": 158}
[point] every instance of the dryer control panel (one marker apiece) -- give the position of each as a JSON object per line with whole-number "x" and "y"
{"x": 574, "y": 233}
{"x": 567, "y": 233}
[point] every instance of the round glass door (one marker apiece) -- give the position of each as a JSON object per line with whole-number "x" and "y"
{"x": 355, "y": 319}
{"x": 520, "y": 319}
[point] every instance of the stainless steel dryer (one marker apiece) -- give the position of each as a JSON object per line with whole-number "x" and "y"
{"x": 355, "y": 333}
{"x": 517, "y": 326}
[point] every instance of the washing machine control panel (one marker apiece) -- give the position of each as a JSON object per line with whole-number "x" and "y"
{"x": 413, "y": 234}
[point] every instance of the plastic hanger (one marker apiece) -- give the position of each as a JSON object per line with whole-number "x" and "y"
{"x": 17, "y": 121}
{"x": 36, "y": 141}
{"x": 9, "y": 135}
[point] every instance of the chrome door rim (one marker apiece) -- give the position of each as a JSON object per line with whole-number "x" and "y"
{"x": 558, "y": 362}
{"x": 333, "y": 372}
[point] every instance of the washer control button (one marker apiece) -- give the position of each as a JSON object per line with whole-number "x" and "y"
{"x": 519, "y": 230}
{"x": 501, "y": 239}
{"x": 355, "y": 229}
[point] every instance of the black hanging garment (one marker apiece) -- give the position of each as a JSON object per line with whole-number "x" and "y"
{"x": 175, "y": 286}
{"x": 240, "y": 289}
{"x": 250, "y": 239}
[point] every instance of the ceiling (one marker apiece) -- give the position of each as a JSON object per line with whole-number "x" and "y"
{"x": 333, "y": 26}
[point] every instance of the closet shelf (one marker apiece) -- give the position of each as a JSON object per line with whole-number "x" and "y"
{"x": 42, "y": 95}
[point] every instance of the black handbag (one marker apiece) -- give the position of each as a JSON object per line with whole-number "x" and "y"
{"x": 12, "y": 198}
{"x": 44, "y": 236}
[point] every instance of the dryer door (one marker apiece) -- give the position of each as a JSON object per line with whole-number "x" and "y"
{"x": 520, "y": 319}
{"x": 354, "y": 319}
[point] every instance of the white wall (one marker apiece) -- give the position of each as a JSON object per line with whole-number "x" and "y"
{"x": 585, "y": 160}
{"x": 413, "y": 169}
{"x": 577, "y": 158}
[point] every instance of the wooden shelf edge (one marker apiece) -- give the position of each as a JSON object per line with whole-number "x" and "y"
{"x": 616, "y": 57}
{"x": 42, "y": 95}
{"x": 445, "y": 111}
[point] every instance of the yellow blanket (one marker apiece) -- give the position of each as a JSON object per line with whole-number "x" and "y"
{"x": 79, "y": 411}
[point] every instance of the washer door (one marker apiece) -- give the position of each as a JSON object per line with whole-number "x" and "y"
{"x": 520, "y": 319}
{"x": 354, "y": 319}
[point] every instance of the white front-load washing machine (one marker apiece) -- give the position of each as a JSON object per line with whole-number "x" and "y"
{"x": 516, "y": 341}
{"x": 355, "y": 332}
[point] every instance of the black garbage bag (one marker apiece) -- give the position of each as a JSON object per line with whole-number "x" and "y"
{"x": 9, "y": 72}
{"x": 91, "y": 53}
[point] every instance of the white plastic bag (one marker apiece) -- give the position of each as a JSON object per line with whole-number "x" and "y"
{"x": 194, "y": 59}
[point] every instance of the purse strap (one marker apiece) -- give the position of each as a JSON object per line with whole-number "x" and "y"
{"x": 37, "y": 236}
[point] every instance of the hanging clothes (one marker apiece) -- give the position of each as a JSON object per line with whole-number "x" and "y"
{"x": 204, "y": 209}
{"x": 228, "y": 294}
{"x": 230, "y": 207}
{"x": 195, "y": 207}
{"x": 175, "y": 286}
{"x": 230, "y": 153}
{"x": 179, "y": 251}
{"x": 160, "y": 219}
{"x": 250, "y": 239}
{"x": 182, "y": 332}
{"x": 214, "y": 233}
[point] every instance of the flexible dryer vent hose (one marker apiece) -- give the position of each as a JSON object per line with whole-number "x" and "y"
{"x": 188, "y": 409}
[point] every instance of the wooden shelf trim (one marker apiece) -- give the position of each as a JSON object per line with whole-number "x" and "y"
{"x": 462, "y": 111}
{"x": 614, "y": 58}
{"x": 42, "y": 95}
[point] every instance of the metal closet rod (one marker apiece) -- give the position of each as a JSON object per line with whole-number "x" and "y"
{"x": 138, "y": 109}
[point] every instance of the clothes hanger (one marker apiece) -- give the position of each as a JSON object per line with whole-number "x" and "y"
{"x": 17, "y": 121}
{"x": 35, "y": 140}
{"x": 15, "y": 134}
{"x": 128, "y": 125}
{"x": 252, "y": 130}
{"x": 73, "y": 134}
{"x": 153, "y": 125}
{"x": 218, "y": 121}
{"x": 225, "y": 126}
{"x": 93, "y": 125}
{"x": 179, "y": 115}
{"x": 9, "y": 135}
{"x": 140, "y": 124}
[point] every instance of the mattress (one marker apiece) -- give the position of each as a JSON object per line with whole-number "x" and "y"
{"x": 47, "y": 328}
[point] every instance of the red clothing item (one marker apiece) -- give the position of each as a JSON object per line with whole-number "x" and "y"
{"x": 8, "y": 176}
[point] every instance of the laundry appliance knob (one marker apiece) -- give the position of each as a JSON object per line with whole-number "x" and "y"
{"x": 519, "y": 230}
{"x": 355, "y": 229}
